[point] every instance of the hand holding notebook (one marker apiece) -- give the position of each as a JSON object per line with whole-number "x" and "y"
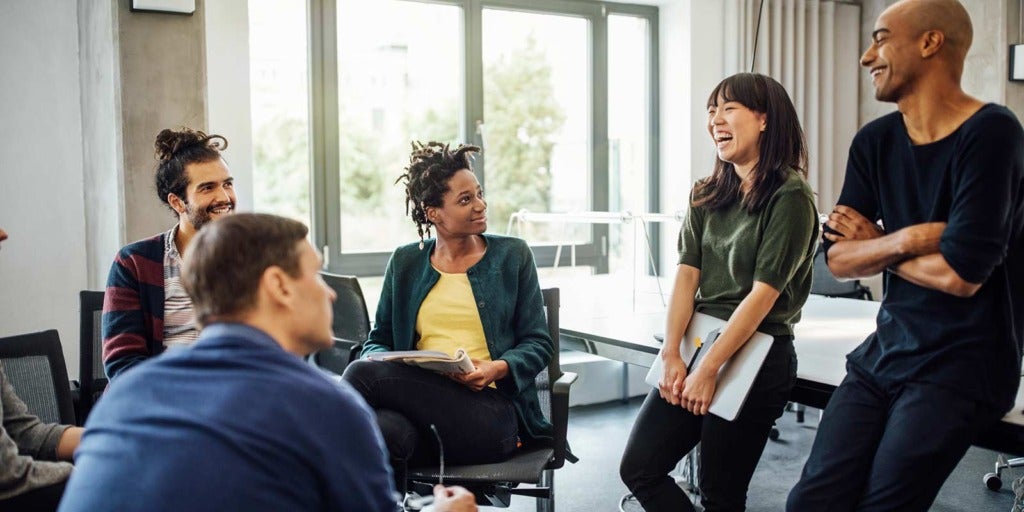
{"x": 734, "y": 378}
{"x": 429, "y": 359}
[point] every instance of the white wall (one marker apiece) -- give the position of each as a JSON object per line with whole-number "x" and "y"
{"x": 102, "y": 155}
{"x": 227, "y": 77}
{"x": 689, "y": 69}
{"x": 43, "y": 265}
{"x": 985, "y": 71}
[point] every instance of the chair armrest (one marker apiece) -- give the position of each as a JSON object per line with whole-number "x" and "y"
{"x": 78, "y": 401}
{"x": 560, "y": 418}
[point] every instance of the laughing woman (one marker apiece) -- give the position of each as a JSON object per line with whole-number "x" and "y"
{"x": 463, "y": 289}
{"x": 745, "y": 254}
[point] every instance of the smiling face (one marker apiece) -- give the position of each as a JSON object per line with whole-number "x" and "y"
{"x": 210, "y": 194}
{"x": 736, "y": 132}
{"x": 892, "y": 58}
{"x": 463, "y": 210}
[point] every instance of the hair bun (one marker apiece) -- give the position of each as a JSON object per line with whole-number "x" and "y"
{"x": 170, "y": 142}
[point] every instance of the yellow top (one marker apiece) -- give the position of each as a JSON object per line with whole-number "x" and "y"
{"x": 448, "y": 319}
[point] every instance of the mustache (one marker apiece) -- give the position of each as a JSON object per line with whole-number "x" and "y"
{"x": 219, "y": 204}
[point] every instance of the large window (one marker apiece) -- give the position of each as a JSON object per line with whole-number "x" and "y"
{"x": 398, "y": 81}
{"x": 280, "y": 108}
{"x": 537, "y": 129}
{"x": 559, "y": 93}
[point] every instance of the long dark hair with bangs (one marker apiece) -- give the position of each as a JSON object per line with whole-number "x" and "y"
{"x": 780, "y": 148}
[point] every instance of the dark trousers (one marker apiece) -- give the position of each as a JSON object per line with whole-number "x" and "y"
{"x": 476, "y": 427}
{"x": 664, "y": 433}
{"x": 43, "y": 499}
{"x": 886, "y": 449}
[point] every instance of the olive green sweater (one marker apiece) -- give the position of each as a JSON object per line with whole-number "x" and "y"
{"x": 733, "y": 248}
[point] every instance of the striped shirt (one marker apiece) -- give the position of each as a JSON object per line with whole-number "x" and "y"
{"x": 179, "y": 320}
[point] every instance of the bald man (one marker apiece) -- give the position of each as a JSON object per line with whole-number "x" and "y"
{"x": 933, "y": 198}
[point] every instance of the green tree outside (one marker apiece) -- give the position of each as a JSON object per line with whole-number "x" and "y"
{"x": 521, "y": 120}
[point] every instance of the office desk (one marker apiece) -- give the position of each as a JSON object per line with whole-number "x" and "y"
{"x": 623, "y": 329}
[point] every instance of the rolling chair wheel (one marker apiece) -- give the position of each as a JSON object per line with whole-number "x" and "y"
{"x": 993, "y": 482}
{"x": 773, "y": 434}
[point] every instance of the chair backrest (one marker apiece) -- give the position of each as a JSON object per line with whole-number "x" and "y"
{"x": 554, "y": 370}
{"x": 351, "y": 324}
{"x": 552, "y": 303}
{"x": 34, "y": 364}
{"x": 823, "y": 282}
{"x": 90, "y": 346}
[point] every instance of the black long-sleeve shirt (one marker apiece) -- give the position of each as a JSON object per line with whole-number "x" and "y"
{"x": 973, "y": 180}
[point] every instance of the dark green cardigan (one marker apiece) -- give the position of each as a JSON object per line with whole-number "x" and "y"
{"x": 507, "y": 295}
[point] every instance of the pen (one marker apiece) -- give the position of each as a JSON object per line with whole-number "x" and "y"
{"x": 697, "y": 341}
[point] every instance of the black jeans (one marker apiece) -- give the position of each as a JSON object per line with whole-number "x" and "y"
{"x": 664, "y": 433}
{"x": 886, "y": 449}
{"x": 476, "y": 427}
{"x": 43, "y": 499}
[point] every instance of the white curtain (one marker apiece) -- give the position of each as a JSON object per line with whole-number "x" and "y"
{"x": 812, "y": 47}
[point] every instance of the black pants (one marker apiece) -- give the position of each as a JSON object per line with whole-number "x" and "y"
{"x": 43, "y": 499}
{"x": 664, "y": 433}
{"x": 886, "y": 449}
{"x": 476, "y": 427}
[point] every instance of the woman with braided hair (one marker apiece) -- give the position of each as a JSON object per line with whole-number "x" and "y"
{"x": 465, "y": 289}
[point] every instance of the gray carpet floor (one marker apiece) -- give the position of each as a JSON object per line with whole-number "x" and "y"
{"x": 598, "y": 434}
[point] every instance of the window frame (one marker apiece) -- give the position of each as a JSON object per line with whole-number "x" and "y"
{"x": 326, "y": 207}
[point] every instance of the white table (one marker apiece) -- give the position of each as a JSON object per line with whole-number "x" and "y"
{"x": 603, "y": 317}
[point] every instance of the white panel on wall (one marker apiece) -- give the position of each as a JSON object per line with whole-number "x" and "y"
{"x": 227, "y": 82}
{"x": 43, "y": 264}
{"x": 810, "y": 47}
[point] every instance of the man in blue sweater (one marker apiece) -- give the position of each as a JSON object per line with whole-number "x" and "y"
{"x": 945, "y": 177}
{"x": 240, "y": 421}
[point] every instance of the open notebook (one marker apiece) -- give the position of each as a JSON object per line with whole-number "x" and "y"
{"x": 735, "y": 377}
{"x": 429, "y": 359}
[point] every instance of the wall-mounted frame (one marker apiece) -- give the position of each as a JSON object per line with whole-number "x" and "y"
{"x": 1016, "y": 63}
{"x": 186, "y": 7}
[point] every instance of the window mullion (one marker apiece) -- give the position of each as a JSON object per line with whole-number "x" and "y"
{"x": 473, "y": 108}
{"x": 599, "y": 110}
{"x": 323, "y": 99}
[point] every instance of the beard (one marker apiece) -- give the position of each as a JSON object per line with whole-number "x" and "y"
{"x": 200, "y": 217}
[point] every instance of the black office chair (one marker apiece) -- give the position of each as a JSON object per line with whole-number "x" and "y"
{"x": 90, "y": 355}
{"x": 493, "y": 484}
{"x": 351, "y": 324}
{"x": 34, "y": 365}
{"x": 824, "y": 283}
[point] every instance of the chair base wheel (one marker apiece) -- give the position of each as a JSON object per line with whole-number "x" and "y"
{"x": 993, "y": 482}
{"x": 773, "y": 434}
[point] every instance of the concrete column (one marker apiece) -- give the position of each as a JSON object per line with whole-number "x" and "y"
{"x": 162, "y": 61}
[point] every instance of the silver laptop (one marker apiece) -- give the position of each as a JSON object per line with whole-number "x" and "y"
{"x": 736, "y": 376}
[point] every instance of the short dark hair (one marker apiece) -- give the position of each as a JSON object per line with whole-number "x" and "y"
{"x": 781, "y": 147}
{"x": 176, "y": 149}
{"x": 226, "y": 259}
{"x": 431, "y": 166}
